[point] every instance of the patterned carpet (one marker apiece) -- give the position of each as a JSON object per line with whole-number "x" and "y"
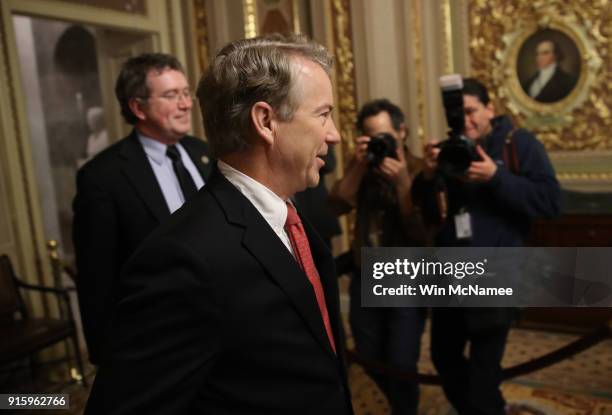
{"x": 581, "y": 385}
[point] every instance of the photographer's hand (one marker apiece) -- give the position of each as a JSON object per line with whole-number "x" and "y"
{"x": 396, "y": 171}
{"x": 481, "y": 171}
{"x": 361, "y": 149}
{"x": 430, "y": 154}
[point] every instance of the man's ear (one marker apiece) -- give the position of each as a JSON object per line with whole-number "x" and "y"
{"x": 136, "y": 105}
{"x": 490, "y": 109}
{"x": 263, "y": 118}
{"x": 403, "y": 132}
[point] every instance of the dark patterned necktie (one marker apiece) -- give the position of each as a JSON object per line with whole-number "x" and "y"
{"x": 182, "y": 174}
{"x": 303, "y": 255}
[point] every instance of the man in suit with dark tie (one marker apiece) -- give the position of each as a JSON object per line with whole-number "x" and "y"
{"x": 231, "y": 307}
{"x": 133, "y": 186}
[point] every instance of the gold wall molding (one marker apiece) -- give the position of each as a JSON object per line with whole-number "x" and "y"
{"x": 295, "y": 16}
{"x": 18, "y": 139}
{"x": 345, "y": 73}
{"x": 580, "y": 121}
{"x": 460, "y": 35}
{"x": 588, "y": 167}
{"x": 606, "y": 176}
{"x": 201, "y": 33}
{"x": 582, "y": 155}
{"x": 123, "y": 6}
{"x": 171, "y": 28}
{"x": 419, "y": 69}
{"x": 90, "y": 14}
{"x": 250, "y": 18}
{"x": 445, "y": 12}
{"x": 23, "y": 204}
{"x": 346, "y": 91}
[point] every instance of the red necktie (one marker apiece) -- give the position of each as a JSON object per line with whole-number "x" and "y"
{"x": 301, "y": 249}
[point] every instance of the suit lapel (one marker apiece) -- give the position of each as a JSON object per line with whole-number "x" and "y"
{"x": 136, "y": 167}
{"x": 261, "y": 241}
{"x": 201, "y": 160}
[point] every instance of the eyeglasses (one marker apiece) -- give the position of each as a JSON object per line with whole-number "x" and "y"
{"x": 175, "y": 96}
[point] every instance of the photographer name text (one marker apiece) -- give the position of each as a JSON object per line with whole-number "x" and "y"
{"x": 435, "y": 290}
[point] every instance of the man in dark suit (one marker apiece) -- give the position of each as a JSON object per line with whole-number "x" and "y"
{"x": 314, "y": 205}
{"x": 231, "y": 307}
{"x": 130, "y": 188}
{"x": 550, "y": 83}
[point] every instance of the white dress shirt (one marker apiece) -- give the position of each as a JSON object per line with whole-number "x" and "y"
{"x": 164, "y": 173}
{"x": 540, "y": 82}
{"x": 270, "y": 206}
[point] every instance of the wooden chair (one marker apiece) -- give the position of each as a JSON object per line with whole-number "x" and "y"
{"x": 23, "y": 335}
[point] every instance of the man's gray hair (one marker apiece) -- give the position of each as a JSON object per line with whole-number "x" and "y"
{"x": 248, "y": 71}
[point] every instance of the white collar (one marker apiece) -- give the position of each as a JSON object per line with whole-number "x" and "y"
{"x": 155, "y": 149}
{"x": 547, "y": 73}
{"x": 269, "y": 205}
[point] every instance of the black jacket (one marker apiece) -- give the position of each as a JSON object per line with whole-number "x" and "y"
{"x": 118, "y": 203}
{"x": 216, "y": 317}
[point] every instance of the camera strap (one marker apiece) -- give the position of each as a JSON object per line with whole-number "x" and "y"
{"x": 510, "y": 155}
{"x": 441, "y": 198}
{"x": 442, "y": 204}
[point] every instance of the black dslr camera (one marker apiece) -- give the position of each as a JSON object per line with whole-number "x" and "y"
{"x": 381, "y": 146}
{"x": 457, "y": 152}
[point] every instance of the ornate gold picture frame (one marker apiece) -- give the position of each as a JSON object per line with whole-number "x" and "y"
{"x": 504, "y": 36}
{"x": 580, "y": 68}
{"x": 499, "y": 32}
{"x": 560, "y": 52}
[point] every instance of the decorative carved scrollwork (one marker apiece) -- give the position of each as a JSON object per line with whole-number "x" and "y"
{"x": 345, "y": 70}
{"x": 201, "y": 32}
{"x": 579, "y": 121}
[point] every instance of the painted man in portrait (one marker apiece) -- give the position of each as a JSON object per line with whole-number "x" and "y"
{"x": 550, "y": 83}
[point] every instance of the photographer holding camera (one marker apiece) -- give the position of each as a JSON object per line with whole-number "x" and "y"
{"x": 377, "y": 183}
{"x": 481, "y": 187}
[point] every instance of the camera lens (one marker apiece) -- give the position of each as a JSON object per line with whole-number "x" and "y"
{"x": 456, "y": 155}
{"x": 381, "y": 146}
